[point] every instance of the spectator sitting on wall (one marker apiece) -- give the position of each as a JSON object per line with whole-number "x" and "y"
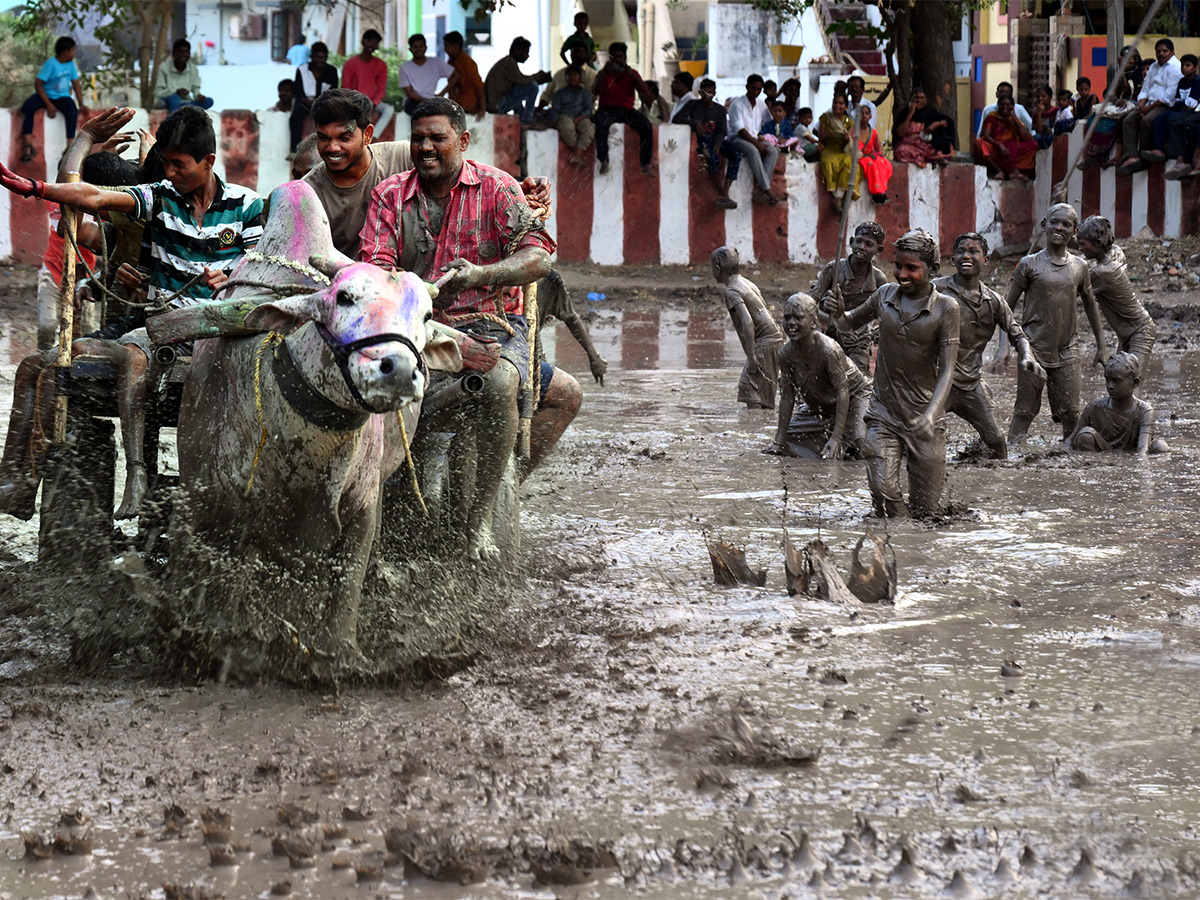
{"x": 419, "y": 76}
{"x": 311, "y": 81}
{"x": 1064, "y": 113}
{"x": 655, "y": 107}
{"x": 1154, "y": 99}
{"x": 710, "y": 123}
{"x": 614, "y": 88}
{"x": 580, "y": 38}
{"x": 789, "y": 96}
{"x": 1187, "y": 98}
{"x": 286, "y": 99}
{"x": 178, "y": 81}
{"x": 855, "y": 86}
{"x": 511, "y": 90}
{"x": 1043, "y": 111}
{"x": 558, "y": 82}
{"x": 1083, "y": 99}
{"x": 810, "y": 144}
{"x": 1005, "y": 88}
{"x": 681, "y": 91}
{"x": 748, "y": 113}
{"x": 298, "y": 53}
{"x": 368, "y": 74}
{"x": 55, "y": 81}
{"x": 571, "y": 113}
{"x": 1006, "y": 148}
{"x": 925, "y": 135}
{"x": 770, "y": 92}
{"x": 778, "y": 130}
{"x": 466, "y": 85}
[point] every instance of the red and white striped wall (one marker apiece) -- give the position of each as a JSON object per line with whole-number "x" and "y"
{"x": 670, "y": 217}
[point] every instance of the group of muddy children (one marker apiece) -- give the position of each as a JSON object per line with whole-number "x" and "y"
{"x": 932, "y": 333}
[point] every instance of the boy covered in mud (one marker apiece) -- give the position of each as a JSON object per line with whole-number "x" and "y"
{"x": 1111, "y": 287}
{"x": 918, "y": 346}
{"x": 981, "y": 312}
{"x": 814, "y": 367}
{"x": 755, "y": 328}
{"x": 859, "y": 278}
{"x": 1119, "y": 421}
{"x": 1050, "y": 280}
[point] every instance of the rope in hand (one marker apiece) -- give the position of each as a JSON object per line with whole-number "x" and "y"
{"x": 412, "y": 468}
{"x": 273, "y": 338}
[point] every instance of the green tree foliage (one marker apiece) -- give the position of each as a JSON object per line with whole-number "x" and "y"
{"x": 22, "y": 52}
{"x": 136, "y": 33}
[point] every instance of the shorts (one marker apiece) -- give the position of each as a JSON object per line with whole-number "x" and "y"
{"x": 140, "y": 339}
{"x": 513, "y": 347}
{"x": 546, "y": 375}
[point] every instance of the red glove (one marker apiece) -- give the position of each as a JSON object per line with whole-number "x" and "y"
{"x": 19, "y": 184}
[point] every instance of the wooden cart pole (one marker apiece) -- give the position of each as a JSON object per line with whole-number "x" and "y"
{"x": 66, "y": 314}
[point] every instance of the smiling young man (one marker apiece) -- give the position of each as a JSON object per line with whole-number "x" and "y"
{"x": 196, "y": 228}
{"x": 468, "y": 227}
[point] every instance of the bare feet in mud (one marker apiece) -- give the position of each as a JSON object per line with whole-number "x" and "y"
{"x": 136, "y": 485}
{"x": 481, "y": 548}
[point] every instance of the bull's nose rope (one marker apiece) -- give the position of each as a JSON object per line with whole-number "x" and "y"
{"x": 412, "y": 468}
{"x": 272, "y": 338}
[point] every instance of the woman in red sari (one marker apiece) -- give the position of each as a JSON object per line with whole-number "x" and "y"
{"x": 876, "y": 168}
{"x": 1005, "y": 145}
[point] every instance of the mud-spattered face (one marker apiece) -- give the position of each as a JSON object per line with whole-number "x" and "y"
{"x": 969, "y": 258}
{"x": 912, "y": 275}
{"x": 863, "y": 247}
{"x": 800, "y": 319}
{"x": 1121, "y": 386}
{"x": 1060, "y": 227}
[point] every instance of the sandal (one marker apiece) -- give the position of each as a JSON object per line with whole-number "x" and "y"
{"x": 28, "y": 152}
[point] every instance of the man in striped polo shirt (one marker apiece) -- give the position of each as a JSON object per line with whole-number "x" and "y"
{"x": 196, "y": 228}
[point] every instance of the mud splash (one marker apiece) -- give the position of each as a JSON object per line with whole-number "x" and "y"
{"x": 715, "y": 741}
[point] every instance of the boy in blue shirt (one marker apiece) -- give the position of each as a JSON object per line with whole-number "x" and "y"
{"x": 55, "y": 81}
{"x": 571, "y": 111}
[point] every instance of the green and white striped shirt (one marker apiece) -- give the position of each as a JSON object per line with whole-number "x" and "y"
{"x": 176, "y": 249}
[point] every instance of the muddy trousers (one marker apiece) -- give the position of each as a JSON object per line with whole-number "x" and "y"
{"x": 975, "y": 407}
{"x": 885, "y": 449}
{"x": 1062, "y": 384}
{"x": 759, "y": 390}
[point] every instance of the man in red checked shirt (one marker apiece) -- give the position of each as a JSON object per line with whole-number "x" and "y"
{"x": 468, "y": 226}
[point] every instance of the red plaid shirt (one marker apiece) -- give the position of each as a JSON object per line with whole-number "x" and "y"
{"x": 479, "y": 222}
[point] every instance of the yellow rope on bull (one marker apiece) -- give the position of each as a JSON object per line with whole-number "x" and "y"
{"x": 412, "y": 468}
{"x": 272, "y": 338}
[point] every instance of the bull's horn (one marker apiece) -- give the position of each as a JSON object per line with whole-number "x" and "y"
{"x": 432, "y": 288}
{"x": 326, "y": 265}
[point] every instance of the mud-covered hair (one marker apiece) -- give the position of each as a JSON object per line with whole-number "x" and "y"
{"x": 727, "y": 260}
{"x": 803, "y": 300}
{"x": 109, "y": 170}
{"x": 1061, "y": 206}
{"x": 923, "y": 244}
{"x": 1099, "y": 231}
{"x": 342, "y": 105}
{"x": 972, "y": 236}
{"x": 441, "y": 106}
{"x": 871, "y": 230}
{"x": 188, "y": 130}
{"x": 1122, "y": 363}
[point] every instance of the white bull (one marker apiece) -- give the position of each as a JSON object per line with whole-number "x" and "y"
{"x": 283, "y": 446}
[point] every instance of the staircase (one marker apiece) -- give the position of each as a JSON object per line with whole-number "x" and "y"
{"x": 861, "y": 52}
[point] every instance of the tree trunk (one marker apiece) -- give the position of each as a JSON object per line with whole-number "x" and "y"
{"x": 902, "y": 41}
{"x": 1115, "y": 10}
{"x": 934, "y": 29}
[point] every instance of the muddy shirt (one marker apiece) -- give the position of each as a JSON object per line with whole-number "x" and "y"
{"x": 906, "y": 368}
{"x": 820, "y": 375}
{"x": 1120, "y": 305}
{"x": 1049, "y": 312}
{"x": 1119, "y": 429}
{"x": 855, "y": 293}
{"x": 979, "y": 314}
{"x": 347, "y": 206}
{"x": 765, "y": 329}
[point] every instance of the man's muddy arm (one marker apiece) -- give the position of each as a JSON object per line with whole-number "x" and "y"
{"x": 853, "y": 320}
{"x": 1092, "y": 310}
{"x": 787, "y": 404}
{"x": 1016, "y": 335}
{"x": 744, "y": 326}
{"x": 947, "y": 357}
{"x": 833, "y": 448}
{"x": 526, "y": 266}
{"x": 81, "y": 195}
{"x": 597, "y": 363}
{"x": 1146, "y": 434}
{"x": 96, "y": 132}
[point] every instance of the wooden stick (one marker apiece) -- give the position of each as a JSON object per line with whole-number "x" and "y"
{"x": 531, "y": 316}
{"x": 66, "y": 312}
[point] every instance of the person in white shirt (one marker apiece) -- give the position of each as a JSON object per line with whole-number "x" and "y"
{"x": 681, "y": 92}
{"x": 855, "y": 85}
{"x": 419, "y": 76}
{"x": 1157, "y": 94}
{"x": 747, "y": 115}
{"x": 1019, "y": 111}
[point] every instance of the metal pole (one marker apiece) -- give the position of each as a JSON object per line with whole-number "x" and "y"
{"x": 66, "y": 311}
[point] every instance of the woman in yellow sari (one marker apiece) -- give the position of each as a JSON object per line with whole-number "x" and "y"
{"x": 835, "y": 130}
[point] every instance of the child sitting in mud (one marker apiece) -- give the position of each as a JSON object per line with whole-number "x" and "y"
{"x": 813, "y": 367}
{"x": 918, "y": 346}
{"x": 1119, "y": 421}
{"x": 755, "y": 328}
{"x": 1111, "y": 287}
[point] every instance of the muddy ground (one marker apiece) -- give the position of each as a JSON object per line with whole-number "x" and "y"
{"x": 1021, "y": 722}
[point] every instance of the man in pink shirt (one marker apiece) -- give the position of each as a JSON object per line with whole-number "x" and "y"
{"x": 368, "y": 74}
